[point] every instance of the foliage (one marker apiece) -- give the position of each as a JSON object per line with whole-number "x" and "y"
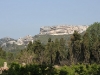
{"x": 2, "y": 62}
{"x": 91, "y": 43}
{"x": 2, "y": 53}
{"x": 75, "y": 47}
{"x": 5, "y": 57}
{"x": 33, "y": 69}
{"x": 51, "y": 53}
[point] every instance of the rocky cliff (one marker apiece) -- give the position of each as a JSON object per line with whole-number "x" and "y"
{"x": 25, "y": 40}
{"x": 62, "y": 29}
{"x": 21, "y": 41}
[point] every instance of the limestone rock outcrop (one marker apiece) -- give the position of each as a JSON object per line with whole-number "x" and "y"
{"x": 21, "y": 41}
{"x": 25, "y": 40}
{"x": 62, "y": 29}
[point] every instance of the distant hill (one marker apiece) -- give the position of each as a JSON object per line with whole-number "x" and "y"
{"x": 14, "y": 45}
{"x": 60, "y": 31}
{"x": 46, "y": 32}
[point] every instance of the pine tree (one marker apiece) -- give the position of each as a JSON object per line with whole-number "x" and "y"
{"x": 75, "y": 47}
{"x": 38, "y": 49}
{"x": 91, "y": 43}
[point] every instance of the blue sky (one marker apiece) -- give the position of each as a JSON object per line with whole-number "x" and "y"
{"x": 19, "y": 18}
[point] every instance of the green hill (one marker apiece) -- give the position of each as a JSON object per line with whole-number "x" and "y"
{"x": 44, "y": 38}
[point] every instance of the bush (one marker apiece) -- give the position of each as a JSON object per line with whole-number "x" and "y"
{"x": 32, "y": 69}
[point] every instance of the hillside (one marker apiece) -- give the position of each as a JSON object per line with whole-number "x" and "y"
{"x": 46, "y": 32}
{"x": 44, "y": 38}
{"x": 15, "y": 45}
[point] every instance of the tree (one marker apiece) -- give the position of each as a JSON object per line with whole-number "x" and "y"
{"x": 25, "y": 57}
{"x": 57, "y": 51}
{"x": 9, "y": 57}
{"x": 2, "y": 53}
{"x": 50, "y": 52}
{"x": 38, "y": 49}
{"x": 91, "y": 40}
{"x": 30, "y": 47}
{"x": 75, "y": 47}
{"x": 85, "y": 48}
{"x": 61, "y": 52}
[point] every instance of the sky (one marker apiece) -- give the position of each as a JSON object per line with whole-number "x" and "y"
{"x": 19, "y": 18}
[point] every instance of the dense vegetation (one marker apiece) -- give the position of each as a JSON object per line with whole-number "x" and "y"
{"x": 33, "y": 69}
{"x": 5, "y": 56}
{"x": 81, "y": 54}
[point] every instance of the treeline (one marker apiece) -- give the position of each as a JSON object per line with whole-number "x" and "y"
{"x": 80, "y": 49}
{"x": 51, "y": 53}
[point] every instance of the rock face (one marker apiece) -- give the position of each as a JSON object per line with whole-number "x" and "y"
{"x": 61, "y": 30}
{"x": 21, "y": 41}
{"x": 25, "y": 40}
{"x": 6, "y": 40}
